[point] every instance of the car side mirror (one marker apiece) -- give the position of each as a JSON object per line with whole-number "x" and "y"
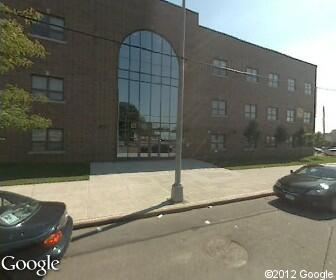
{"x": 292, "y": 171}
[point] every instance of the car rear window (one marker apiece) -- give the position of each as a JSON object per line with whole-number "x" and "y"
{"x": 15, "y": 210}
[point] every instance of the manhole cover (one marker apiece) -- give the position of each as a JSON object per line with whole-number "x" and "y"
{"x": 231, "y": 252}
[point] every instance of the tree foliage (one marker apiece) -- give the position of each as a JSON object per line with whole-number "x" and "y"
{"x": 281, "y": 134}
{"x": 252, "y": 133}
{"x": 17, "y": 50}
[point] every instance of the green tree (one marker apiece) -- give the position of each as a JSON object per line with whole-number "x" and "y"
{"x": 17, "y": 50}
{"x": 281, "y": 134}
{"x": 299, "y": 138}
{"x": 252, "y": 133}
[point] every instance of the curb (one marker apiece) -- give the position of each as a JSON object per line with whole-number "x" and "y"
{"x": 136, "y": 216}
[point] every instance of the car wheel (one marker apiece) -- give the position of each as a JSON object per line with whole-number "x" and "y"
{"x": 333, "y": 205}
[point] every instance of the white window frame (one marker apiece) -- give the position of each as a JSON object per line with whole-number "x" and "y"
{"x": 216, "y": 108}
{"x": 307, "y": 117}
{"x": 273, "y": 80}
{"x": 291, "y": 85}
{"x": 217, "y": 142}
{"x": 219, "y": 66}
{"x": 252, "y": 75}
{"x": 290, "y": 116}
{"x": 250, "y": 111}
{"x": 308, "y": 88}
{"x": 272, "y": 114}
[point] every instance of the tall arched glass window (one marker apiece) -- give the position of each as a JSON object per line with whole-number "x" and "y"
{"x": 148, "y": 75}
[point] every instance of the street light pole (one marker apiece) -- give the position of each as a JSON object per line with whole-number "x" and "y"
{"x": 177, "y": 188}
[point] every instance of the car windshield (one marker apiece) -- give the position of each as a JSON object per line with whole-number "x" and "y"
{"x": 324, "y": 172}
{"x": 14, "y": 210}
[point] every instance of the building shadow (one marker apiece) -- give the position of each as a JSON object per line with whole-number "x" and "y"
{"x": 303, "y": 210}
{"x": 124, "y": 220}
{"x": 135, "y": 166}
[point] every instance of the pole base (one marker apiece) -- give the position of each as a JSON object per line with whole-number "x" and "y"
{"x": 177, "y": 193}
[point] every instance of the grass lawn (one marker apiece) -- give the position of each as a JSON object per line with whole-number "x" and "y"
{"x": 235, "y": 165}
{"x": 36, "y": 173}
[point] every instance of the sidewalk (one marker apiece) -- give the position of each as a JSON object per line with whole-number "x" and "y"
{"x": 116, "y": 190}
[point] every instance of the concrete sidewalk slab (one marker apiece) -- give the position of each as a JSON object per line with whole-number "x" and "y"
{"x": 129, "y": 189}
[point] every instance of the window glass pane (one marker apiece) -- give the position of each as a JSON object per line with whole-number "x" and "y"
{"x": 166, "y": 65}
{"x": 135, "y": 39}
{"x": 173, "y": 104}
{"x": 145, "y": 99}
{"x": 56, "y": 23}
{"x": 155, "y": 101}
{"x": 157, "y": 43}
{"x": 165, "y": 96}
{"x": 135, "y": 59}
{"x": 55, "y": 84}
{"x": 146, "y": 39}
{"x": 40, "y": 28}
{"x": 156, "y": 63}
{"x": 174, "y": 66}
{"x": 39, "y": 82}
{"x": 55, "y": 135}
{"x": 55, "y": 146}
{"x": 57, "y": 96}
{"x": 39, "y": 135}
{"x": 145, "y": 61}
{"x": 134, "y": 94}
{"x": 166, "y": 49}
{"x": 123, "y": 90}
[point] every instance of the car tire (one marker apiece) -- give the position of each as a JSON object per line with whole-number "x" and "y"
{"x": 333, "y": 205}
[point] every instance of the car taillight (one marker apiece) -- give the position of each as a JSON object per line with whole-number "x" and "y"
{"x": 53, "y": 239}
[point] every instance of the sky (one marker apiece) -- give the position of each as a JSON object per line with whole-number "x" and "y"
{"x": 304, "y": 29}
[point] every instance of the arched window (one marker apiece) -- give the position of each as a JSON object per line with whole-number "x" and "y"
{"x": 148, "y": 76}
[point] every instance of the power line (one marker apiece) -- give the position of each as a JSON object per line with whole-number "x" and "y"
{"x": 233, "y": 70}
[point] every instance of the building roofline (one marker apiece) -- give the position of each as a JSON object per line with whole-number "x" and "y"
{"x": 238, "y": 39}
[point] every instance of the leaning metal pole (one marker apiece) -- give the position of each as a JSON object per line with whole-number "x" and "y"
{"x": 177, "y": 188}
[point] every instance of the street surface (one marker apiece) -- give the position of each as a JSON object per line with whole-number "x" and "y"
{"x": 233, "y": 241}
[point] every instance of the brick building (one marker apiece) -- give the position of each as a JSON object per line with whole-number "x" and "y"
{"x": 112, "y": 79}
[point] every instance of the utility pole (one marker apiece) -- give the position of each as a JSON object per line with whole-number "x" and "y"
{"x": 323, "y": 119}
{"x": 177, "y": 188}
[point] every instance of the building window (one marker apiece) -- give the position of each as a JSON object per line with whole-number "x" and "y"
{"x": 148, "y": 88}
{"x": 252, "y": 75}
{"x": 291, "y": 85}
{"x": 307, "y": 117}
{"x": 218, "y": 108}
{"x": 270, "y": 141}
{"x": 50, "y": 139}
{"x": 272, "y": 114}
{"x": 219, "y": 68}
{"x": 307, "y": 89}
{"x": 290, "y": 116}
{"x": 250, "y": 111}
{"x": 273, "y": 80}
{"x": 49, "y": 27}
{"x": 49, "y": 87}
{"x": 217, "y": 142}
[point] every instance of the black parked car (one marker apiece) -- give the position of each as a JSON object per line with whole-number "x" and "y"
{"x": 32, "y": 230}
{"x": 313, "y": 184}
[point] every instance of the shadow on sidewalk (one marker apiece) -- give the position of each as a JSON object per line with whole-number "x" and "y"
{"x": 126, "y": 219}
{"x": 313, "y": 213}
{"x": 135, "y": 166}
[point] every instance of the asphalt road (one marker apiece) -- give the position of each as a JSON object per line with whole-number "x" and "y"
{"x": 234, "y": 241}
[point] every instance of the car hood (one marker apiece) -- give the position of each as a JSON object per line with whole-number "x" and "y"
{"x": 304, "y": 183}
{"x": 34, "y": 229}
